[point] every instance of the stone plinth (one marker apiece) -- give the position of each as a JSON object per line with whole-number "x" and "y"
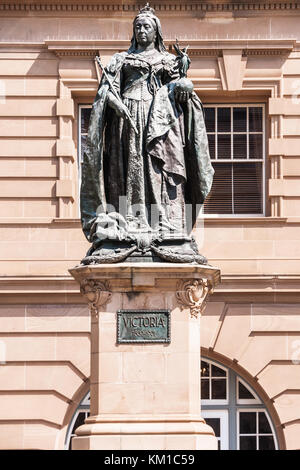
{"x": 146, "y": 396}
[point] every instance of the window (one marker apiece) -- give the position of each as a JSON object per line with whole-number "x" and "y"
{"x": 237, "y": 415}
{"x": 240, "y": 419}
{"x": 80, "y": 415}
{"x": 236, "y": 137}
{"x": 214, "y": 383}
{"x": 254, "y": 431}
{"x": 218, "y": 420}
{"x": 84, "y": 113}
{"x": 245, "y": 396}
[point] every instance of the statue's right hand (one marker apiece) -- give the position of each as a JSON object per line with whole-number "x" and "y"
{"x": 117, "y": 105}
{"x": 121, "y": 110}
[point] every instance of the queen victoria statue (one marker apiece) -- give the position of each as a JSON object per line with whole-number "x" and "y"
{"x": 146, "y": 169}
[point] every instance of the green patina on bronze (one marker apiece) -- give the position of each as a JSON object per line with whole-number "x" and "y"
{"x": 157, "y": 159}
{"x": 143, "y": 326}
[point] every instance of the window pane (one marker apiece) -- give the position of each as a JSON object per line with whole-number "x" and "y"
{"x": 217, "y": 371}
{"x": 224, "y": 119}
{"x": 204, "y": 389}
{"x": 247, "y": 188}
{"x": 219, "y": 200}
{"x": 263, "y": 424}
{"x": 255, "y": 146}
{"x": 255, "y": 119}
{"x": 266, "y": 443}
{"x": 85, "y": 117}
{"x": 247, "y": 442}
{"x": 209, "y": 115}
{"x": 240, "y": 146}
{"x": 83, "y": 144}
{"x": 239, "y": 119}
{"x": 247, "y": 422}
{"x": 224, "y": 146}
{"x": 215, "y": 424}
{"x": 79, "y": 420}
{"x": 212, "y": 145}
{"x": 204, "y": 369}
{"x": 244, "y": 393}
{"x": 218, "y": 389}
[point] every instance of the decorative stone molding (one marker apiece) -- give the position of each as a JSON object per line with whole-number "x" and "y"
{"x": 97, "y": 294}
{"x": 253, "y": 52}
{"x": 54, "y": 289}
{"x": 193, "y": 294}
{"x": 205, "y": 53}
{"x": 86, "y": 54}
{"x": 218, "y": 47}
{"x": 80, "y": 7}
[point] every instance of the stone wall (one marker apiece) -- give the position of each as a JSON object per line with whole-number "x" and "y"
{"x": 239, "y": 55}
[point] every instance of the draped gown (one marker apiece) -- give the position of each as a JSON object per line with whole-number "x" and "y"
{"x": 153, "y": 183}
{"x": 142, "y": 182}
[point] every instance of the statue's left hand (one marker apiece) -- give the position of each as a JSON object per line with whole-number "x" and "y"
{"x": 182, "y": 96}
{"x": 183, "y": 90}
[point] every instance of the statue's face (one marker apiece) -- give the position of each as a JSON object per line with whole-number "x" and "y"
{"x": 145, "y": 32}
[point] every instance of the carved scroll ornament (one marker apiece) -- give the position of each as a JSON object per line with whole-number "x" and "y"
{"x": 97, "y": 294}
{"x": 193, "y": 294}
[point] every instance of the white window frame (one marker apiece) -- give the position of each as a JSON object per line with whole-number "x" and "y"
{"x": 240, "y": 160}
{"x": 233, "y": 407}
{"x": 246, "y": 401}
{"x": 255, "y": 410}
{"x": 84, "y": 407}
{"x": 224, "y": 429}
{"x": 209, "y": 378}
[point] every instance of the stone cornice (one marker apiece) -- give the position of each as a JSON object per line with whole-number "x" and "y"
{"x": 197, "y": 47}
{"x": 104, "y": 7}
{"x": 233, "y": 288}
{"x": 142, "y": 277}
{"x": 88, "y": 48}
{"x": 232, "y": 220}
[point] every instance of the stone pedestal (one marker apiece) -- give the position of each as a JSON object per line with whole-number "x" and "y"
{"x": 145, "y": 396}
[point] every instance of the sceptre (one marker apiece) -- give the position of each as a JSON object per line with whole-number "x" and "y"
{"x": 116, "y": 94}
{"x": 184, "y": 59}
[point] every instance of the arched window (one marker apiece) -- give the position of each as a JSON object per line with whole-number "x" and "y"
{"x": 235, "y": 412}
{"x": 80, "y": 415}
{"x": 229, "y": 405}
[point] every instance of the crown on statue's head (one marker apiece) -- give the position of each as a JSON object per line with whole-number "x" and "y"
{"x": 147, "y": 10}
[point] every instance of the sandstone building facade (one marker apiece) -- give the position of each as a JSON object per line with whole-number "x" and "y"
{"x": 246, "y": 70}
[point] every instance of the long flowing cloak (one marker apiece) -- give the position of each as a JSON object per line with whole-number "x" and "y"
{"x": 97, "y": 191}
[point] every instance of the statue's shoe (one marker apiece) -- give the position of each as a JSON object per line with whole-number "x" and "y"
{"x": 173, "y": 254}
{"x": 107, "y": 256}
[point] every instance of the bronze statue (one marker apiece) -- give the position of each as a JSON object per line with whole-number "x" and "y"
{"x": 146, "y": 168}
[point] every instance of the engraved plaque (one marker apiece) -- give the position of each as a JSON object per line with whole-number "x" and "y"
{"x": 143, "y": 326}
